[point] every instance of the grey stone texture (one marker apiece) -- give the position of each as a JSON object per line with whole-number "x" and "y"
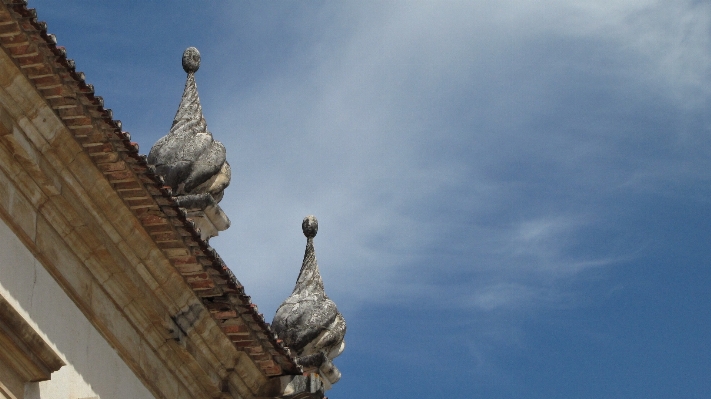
{"x": 308, "y": 321}
{"x": 188, "y": 158}
{"x": 191, "y": 162}
{"x": 308, "y": 386}
{"x": 191, "y": 60}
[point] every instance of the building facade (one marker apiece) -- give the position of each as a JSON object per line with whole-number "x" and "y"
{"x": 108, "y": 285}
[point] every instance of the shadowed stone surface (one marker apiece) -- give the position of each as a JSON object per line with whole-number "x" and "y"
{"x": 308, "y": 321}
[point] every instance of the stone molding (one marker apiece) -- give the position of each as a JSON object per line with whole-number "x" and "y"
{"x": 63, "y": 209}
{"x": 23, "y": 353}
{"x": 75, "y": 191}
{"x": 55, "y": 78}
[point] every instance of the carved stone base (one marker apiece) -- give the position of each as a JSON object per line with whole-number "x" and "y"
{"x": 319, "y": 363}
{"x": 205, "y": 212}
{"x": 309, "y": 386}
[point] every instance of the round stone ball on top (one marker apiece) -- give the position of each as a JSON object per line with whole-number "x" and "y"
{"x": 191, "y": 60}
{"x": 310, "y": 226}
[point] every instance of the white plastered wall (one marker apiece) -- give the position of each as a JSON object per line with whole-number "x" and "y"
{"x": 93, "y": 369}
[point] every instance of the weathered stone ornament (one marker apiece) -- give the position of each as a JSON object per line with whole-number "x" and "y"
{"x": 308, "y": 321}
{"x": 191, "y": 162}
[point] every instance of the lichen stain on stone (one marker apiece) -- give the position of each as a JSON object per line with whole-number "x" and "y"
{"x": 185, "y": 320}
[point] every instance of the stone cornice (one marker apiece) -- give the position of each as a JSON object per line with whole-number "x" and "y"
{"x": 22, "y": 349}
{"x": 113, "y": 237}
{"x": 63, "y": 209}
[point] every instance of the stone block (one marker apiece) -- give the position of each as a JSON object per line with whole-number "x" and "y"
{"x": 55, "y": 218}
{"x": 7, "y": 191}
{"x": 155, "y": 375}
{"x": 97, "y": 269}
{"x": 22, "y": 149}
{"x": 144, "y": 324}
{"x": 126, "y": 337}
{"x": 30, "y": 189}
{"x": 48, "y": 125}
{"x": 23, "y": 214}
{"x": 78, "y": 246}
{"x": 177, "y": 290}
{"x": 92, "y": 240}
{"x": 155, "y": 265}
{"x": 23, "y": 181}
{"x": 118, "y": 286}
{"x": 180, "y": 390}
{"x": 8, "y": 164}
{"x": 66, "y": 204}
{"x": 78, "y": 193}
{"x": 61, "y": 261}
{"x": 51, "y": 182}
{"x": 33, "y": 127}
{"x": 134, "y": 252}
{"x": 146, "y": 276}
{"x": 249, "y": 373}
{"x": 64, "y": 150}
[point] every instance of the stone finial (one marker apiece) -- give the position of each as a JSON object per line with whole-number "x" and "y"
{"x": 191, "y": 60}
{"x": 190, "y": 161}
{"x": 308, "y": 321}
{"x": 309, "y": 226}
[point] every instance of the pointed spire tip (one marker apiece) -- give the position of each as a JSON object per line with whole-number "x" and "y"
{"x": 310, "y": 226}
{"x": 191, "y": 60}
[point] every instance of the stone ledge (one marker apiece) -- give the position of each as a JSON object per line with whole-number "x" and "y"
{"x": 22, "y": 351}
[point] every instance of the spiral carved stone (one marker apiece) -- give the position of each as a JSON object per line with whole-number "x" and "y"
{"x": 308, "y": 321}
{"x": 188, "y": 158}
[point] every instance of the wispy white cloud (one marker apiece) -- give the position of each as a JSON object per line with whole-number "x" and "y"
{"x": 413, "y": 128}
{"x": 506, "y": 295}
{"x": 479, "y": 169}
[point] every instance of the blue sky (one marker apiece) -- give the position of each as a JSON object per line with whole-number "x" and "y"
{"x": 514, "y": 197}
